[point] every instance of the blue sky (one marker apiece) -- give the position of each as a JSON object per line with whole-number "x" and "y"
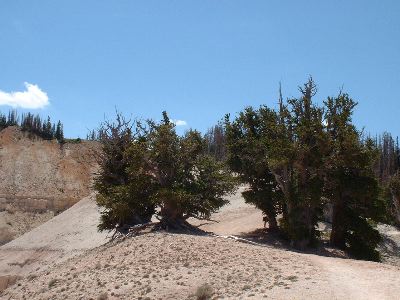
{"x": 198, "y": 59}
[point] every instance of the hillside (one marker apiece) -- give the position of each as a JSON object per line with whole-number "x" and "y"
{"x": 68, "y": 234}
{"x": 39, "y": 178}
{"x": 61, "y": 260}
{"x": 65, "y": 257}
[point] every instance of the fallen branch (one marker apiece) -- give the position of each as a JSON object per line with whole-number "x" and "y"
{"x": 238, "y": 239}
{"x": 131, "y": 231}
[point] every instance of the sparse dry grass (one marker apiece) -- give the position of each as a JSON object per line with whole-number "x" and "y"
{"x": 103, "y": 296}
{"x": 52, "y": 282}
{"x": 167, "y": 266}
{"x": 204, "y": 292}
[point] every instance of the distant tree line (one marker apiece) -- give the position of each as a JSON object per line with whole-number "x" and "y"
{"x": 387, "y": 170}
{"x": 33, "y": 124}
{"x": 94, "y": 135}
{"x": 388, "y": 162}
{"x": 216, "y": 141}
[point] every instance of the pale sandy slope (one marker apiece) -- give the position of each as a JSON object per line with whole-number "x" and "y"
{"x": 233, "y": 219}
{"x": 66, "y": 235}
{"x": 172, "y": 266}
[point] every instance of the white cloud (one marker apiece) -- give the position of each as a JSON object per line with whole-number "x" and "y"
{"x": 179, "y": 122}
{"x": 33, "y": 97}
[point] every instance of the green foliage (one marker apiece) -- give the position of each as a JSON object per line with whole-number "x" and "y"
{"x": 153, "y": 168}
{"x": 59, "y": 132}
{"x": 33, "y": 124}
{"x": 216, "y": 142}
{"x": 247, "y": 156}
{"x": 395, "y": 184}
{"x": 351, "y": 185}
{"x": 361, "y": 238}
{"x": 72, "y": 141}
{"x": 394, "y": 187}
{"x": 280, "y": 155}
{"x": 204, "y": 292}
{"x": 123, "y": 197}
{"x": 297, "y": 158}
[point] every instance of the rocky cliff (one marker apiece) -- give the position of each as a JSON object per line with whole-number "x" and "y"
{"x": 37, "y": 175}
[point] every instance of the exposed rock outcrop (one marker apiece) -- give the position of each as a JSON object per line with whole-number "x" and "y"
{"x": 37, "y": 175}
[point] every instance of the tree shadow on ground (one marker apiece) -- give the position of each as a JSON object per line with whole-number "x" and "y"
{"x": 276, "y": 240}
{"x": 141, "y": 229}
{"x": 389, "y": 248}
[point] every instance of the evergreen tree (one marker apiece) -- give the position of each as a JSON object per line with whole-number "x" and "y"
{"x": 47, "y": 130}
{"x": 215, "y": 138}
{"x": 287, "y": 149}
{"x": 299, "y": 171}
{"x": 351, "y": 185}
{"x": 303, "y": 157}
{"x": 92, "y": 136}
{"x": 120, "y": 209}
{"x": 37, "y": 125}
{"x": 247, "y": 156}
{"x": 12, "y": 118}
{"x": 162, "y": 170}
{"x": 3, "y": 121}
{"x": 59, "y": 133}
{"x": 32, "y": 124}
{"x": 395, "y": 193}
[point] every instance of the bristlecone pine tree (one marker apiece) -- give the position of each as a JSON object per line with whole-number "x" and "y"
{"x": 159, "y": 173}
{"x": 280, "y": 154}
{"x": 247, "y": 156}
{"x": 301, "y": 157}
{"x": 350, "y": 184}
{"x": 121, "y": 207}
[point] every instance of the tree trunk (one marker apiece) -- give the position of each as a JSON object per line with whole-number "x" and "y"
{"x": 272, "y": 223}
{"x": 396, "y": 204}
{"x": 338, "y": 227}
{"x": 306, "y": 235}
{"x": 172, "y": 219}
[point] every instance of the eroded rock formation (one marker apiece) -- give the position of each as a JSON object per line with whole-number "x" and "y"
{"x": 38, "y": 175}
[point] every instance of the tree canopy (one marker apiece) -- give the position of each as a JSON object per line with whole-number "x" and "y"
{"x": 147, "y": 169}
{"x": 303, "y": 156}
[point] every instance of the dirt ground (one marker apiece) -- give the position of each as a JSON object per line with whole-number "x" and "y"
{"x": 15, "y": 223}
{"x": 79, "y": 263}
{"x": 390, "y": 246}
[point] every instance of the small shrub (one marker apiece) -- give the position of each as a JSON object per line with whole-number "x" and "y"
{"x": 204, "y": 292}
{"x": 292, "y": 278}
{"x": 52, "y": 282}
{"x": 103, "y": 296}
{"x": 246, "y": 287}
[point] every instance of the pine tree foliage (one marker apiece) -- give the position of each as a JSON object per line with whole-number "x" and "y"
{"x": 33, "y": 124}
{"x": 247, "y": 156}
{"x": 121, "y": 209}
{"x": 159, "y": 173}
{"x": 93, "y": 135}
{"x": 215, "y": 139}
{"x": 302, "y": 156}
{"x": 394, "y": 187}
{"x": 350, "y": 184}
{"x": 297, "y": 163}
{"x": 386, "y": 167}
{"x": 388, "y": 162}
